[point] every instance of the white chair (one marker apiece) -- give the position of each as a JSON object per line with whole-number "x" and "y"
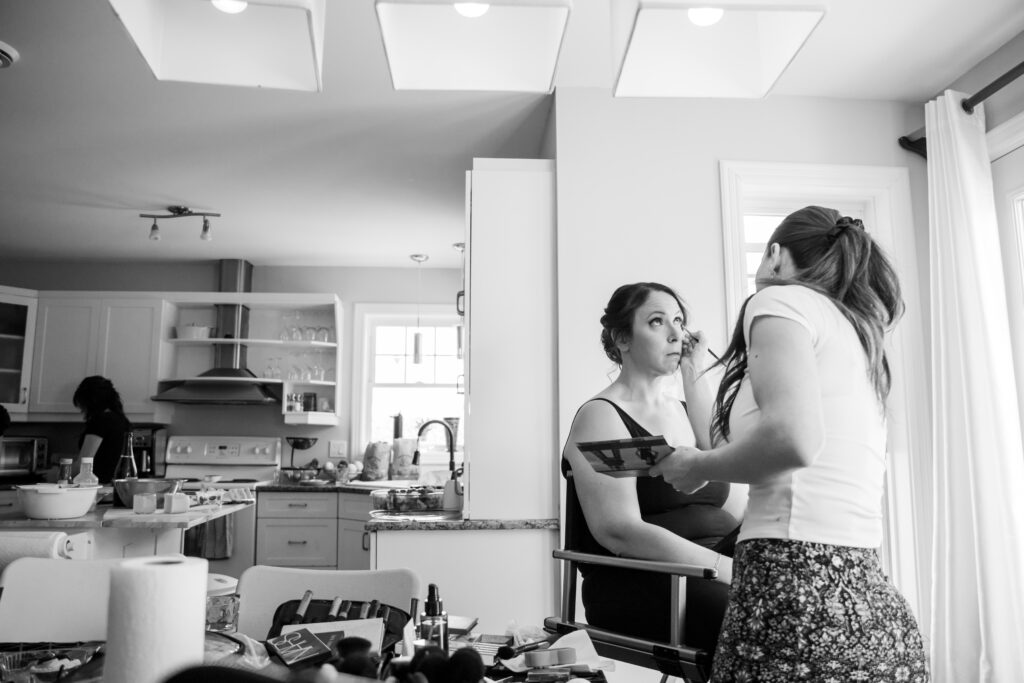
{"x": 55, "y": 600}
{"x": 262, "y": 588}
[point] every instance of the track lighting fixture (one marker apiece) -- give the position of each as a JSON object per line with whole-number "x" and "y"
{"x": 180, "y": 212}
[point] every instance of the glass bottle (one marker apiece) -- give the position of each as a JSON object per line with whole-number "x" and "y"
{"x": 126, "y": 467}
{"x": 85, "y": 477}
{"x": 64, "y": 473}
{"x": 434, "y": 620}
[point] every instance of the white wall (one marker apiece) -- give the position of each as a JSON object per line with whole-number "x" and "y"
{"x": 638, "y": 199}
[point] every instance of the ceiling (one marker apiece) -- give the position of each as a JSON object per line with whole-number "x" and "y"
{"x": 359, "y": 174}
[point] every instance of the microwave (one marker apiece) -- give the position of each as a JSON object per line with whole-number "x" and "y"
{"x": 23, "y": 455}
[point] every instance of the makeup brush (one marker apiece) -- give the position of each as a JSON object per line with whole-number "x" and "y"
{"x": 691, "y": 336}
{"x": 508, "y": 652}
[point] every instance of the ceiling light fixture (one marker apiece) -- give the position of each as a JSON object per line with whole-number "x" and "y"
{"x": 8, "y": 55}
{"x": 663, "y": 48}
{"x": 471, "y": 10}
{"x": 230, "y": 6}
{"x": 180, "y": 212}
{"x": 272, "y": 44}
{"x": 417, "y": 337}
{"x": 705, "y": 16}
{"x": 514, "y": 49}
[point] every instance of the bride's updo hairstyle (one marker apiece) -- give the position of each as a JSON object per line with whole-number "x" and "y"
{"x": 619, "y": 314}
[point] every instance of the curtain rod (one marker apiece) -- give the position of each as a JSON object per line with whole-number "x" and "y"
{"x": 919, "y": 146}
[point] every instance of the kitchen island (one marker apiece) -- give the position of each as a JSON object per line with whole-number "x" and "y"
{"x": 119, "y": 532}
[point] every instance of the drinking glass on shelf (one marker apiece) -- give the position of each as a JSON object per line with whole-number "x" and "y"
{"x": 275, "y": 371}
{"x": 286, "y": 329}
{"x": 309, "y": 333}
{"x": 295, "y": 331}
{"x": 323, "y": 334}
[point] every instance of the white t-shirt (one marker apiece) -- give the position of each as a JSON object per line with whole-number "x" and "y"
{"x": 838, "y": 498}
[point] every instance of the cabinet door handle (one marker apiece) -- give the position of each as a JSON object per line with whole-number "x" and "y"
{"x": 298, "y": 505}
{"x": 297, "y": 542}
{"x": 460, "y": 384}
{"x": 460, "y": 302}
{"x": 6, "y": 505}
{"x": 24, "y": 394}
{"x": 366, "y": 540}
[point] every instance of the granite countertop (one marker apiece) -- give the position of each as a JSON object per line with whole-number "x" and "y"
{"x": 459, "y": 524}
{"x": 106, "y": 516}
{"x": 325, "y": 488}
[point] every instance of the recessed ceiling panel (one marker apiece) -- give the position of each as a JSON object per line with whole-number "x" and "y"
{"x": 511, "y": 47}
{"x": 271, "y": 44}
{"x": 662, "y": 52}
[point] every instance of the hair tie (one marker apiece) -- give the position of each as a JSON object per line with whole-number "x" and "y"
{"x": 842, "y": 225}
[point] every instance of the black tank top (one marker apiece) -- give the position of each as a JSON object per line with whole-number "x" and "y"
{"x": 697, "y": 517}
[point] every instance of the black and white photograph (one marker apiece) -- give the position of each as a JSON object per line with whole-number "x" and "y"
{"x": 499, "y": 341}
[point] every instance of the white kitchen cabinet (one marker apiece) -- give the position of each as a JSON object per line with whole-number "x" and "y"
{"x": 511, "y": 437}
{"x": 83, "y": 334}
{"x": 274, "y": 354}
{"x": 353, "y": 538}
{"x": 292, "y": 529}
{"x": 17, "y": 335}
{"x": 297, "y": 529}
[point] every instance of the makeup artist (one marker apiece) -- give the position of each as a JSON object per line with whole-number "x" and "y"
{"x": 643, "y": 332}
{"x": 800, "y": 416}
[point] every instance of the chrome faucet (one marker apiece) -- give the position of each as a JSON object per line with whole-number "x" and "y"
{"x": 453, "y": 491}
{"x": 449, "y": 435}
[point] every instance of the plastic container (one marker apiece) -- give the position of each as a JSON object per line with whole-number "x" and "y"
{"x": 49, "y": 501}
{"x": 85, "y": 476}
{"x": 192, "y": 331}
{"x": 416, "y": 499}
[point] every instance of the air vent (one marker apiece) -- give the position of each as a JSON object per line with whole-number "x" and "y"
{"x": 8, "y": 55}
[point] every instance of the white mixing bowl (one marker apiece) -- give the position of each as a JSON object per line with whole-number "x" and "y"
{"x": 49, "y": 501}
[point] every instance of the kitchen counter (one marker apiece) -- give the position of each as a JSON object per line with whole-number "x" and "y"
{"x": 297, "y": 488}
{"x": 106, "y": 517}
{"x": 119, "y": 532}
{"x": 459, "y": 524}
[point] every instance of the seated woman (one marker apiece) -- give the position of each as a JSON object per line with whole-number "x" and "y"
{"x": 644, "y": 517}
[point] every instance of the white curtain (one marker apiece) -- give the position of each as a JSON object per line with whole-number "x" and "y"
{"x": 977, "y": 565}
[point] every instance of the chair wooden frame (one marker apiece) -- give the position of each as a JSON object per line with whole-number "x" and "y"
{"x": 671, "y": 658}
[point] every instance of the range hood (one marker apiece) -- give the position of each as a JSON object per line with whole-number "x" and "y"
{"x": 229, "y": 382}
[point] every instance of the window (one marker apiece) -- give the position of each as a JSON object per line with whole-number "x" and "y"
{"x": 389, "y": 383}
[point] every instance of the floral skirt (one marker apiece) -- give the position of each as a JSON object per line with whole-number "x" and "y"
{"x": 814, "y": 612}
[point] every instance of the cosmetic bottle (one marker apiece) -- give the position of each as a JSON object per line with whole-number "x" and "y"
{"x": 434, "y": 620}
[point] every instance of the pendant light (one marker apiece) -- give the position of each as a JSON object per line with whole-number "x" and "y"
{"x": 417, "y": 337}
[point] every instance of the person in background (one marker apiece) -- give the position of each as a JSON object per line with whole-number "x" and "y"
{"x": 105, "y": 425}
{"x": 643, "y": 517}
{"x": 800, "y": 416}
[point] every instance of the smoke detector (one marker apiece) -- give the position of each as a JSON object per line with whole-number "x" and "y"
{"x": 8, "y": 55}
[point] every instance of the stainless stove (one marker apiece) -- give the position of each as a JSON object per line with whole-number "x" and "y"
{"x": 223, "y": 462}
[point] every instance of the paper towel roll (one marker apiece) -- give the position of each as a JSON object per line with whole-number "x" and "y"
{"x": 15, "y": 544}
{"x": 156, "y": 621}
